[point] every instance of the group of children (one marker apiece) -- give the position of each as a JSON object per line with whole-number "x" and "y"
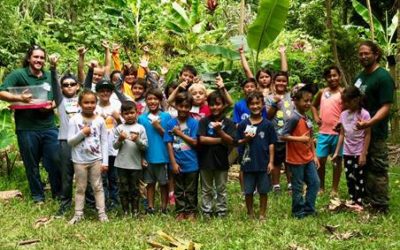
{"x": 122, "y": 133}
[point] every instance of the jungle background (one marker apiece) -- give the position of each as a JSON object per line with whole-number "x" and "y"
{"x": 206, "y": 34}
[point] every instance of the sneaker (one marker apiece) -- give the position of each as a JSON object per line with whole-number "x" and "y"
{"x": 262, "y": 218}
{"x": 206, "y": 215}
{"x": 150, "y": 211}
{"x": 221, "y": 214}
{"x": 164, "y": 211}
{"x": 103, "y": 218}
{"x": 276, "y": 189}
{"x": 76, "y": 219}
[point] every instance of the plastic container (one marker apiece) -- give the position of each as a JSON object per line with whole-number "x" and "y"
{"x": 39, "y": 96}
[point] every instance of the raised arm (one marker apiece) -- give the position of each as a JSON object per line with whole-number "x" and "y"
{"x": 315, "y": 107}
{"x": 245, "y": 64}
{"x": 284, "y": 63}
{"x": 115, "y": 57}
{"x": 81, "y": 63}
{"x": 224, "y": 92}
{"x": 107, "y": 58}
{"x": 55, "y": 86}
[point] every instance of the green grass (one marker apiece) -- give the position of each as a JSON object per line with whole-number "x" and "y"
{"x": 235, "y": 232}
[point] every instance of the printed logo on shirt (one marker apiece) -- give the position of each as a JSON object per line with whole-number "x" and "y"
{"x": 244, "y": 116}
{"x": 71, "y": 106}
{"x": 261, "y": 134}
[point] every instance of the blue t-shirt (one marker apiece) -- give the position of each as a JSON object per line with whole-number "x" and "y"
{"x": 157, "y": 150}
{"x": 241, "y": 112}
{"x": 185, "y": 155}
{"x": 254, "y": 156}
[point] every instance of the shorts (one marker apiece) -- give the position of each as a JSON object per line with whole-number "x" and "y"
{"x": 326, "y": 145}
{"x": 259, "y": 180}
{"x": 155, "y": 173}
{"x": 280, "y": 153}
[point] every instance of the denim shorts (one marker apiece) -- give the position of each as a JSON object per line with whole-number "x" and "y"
{"x": 326, "y": 145}
{"x": 155, "y": 173}
{"x": 259, "y": 180}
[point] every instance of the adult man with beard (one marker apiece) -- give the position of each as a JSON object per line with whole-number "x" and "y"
{"x": 378, "y": 87}
{"x": 35, "y": 128}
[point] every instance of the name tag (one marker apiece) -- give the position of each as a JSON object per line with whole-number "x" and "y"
{"x": 250, "y": 129}
{"x": 358, "y": 83}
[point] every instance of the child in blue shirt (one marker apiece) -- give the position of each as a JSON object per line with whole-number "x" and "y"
{"x": 155, "y": 122}
{"x": 257, "y": 137}
{"x": 181, "y": 138}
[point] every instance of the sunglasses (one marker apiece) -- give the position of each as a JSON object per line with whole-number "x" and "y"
{"x": 66, "y": 85}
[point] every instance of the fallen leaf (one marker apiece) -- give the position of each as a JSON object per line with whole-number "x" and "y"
{"x": 28, "y": 242}
{"x": 294, "y": 246}
{"x": 10, "y": 194}
{"x": 42, "y": 222}
{"x": 331, "y": 229}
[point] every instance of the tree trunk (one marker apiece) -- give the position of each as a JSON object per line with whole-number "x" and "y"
{"x": 395, "y": 123}
{"x": 332, "y": 39}
{"x": 371, "y": 22}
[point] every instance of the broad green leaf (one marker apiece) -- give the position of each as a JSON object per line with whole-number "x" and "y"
{"x": 181, "y": 11}
{"x": 268, "y": 24}
{"x": 222, "y": 51}
{"x": 391, "y": 30}
{"x": 363, "y": 12}
{"x": 174, "y": 27}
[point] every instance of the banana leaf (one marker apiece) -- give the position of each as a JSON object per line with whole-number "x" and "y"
{"x": 221, "y": 51}
{"x": 363, "y": 12}
{"x": 268, "y": 24}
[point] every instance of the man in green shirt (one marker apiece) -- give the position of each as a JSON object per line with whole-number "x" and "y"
{"x": 35, "y": 128}
{"x": 378, "y": 87}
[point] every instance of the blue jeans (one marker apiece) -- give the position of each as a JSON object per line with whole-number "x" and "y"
{"x": 35, "y": 146}
{"x": 307, "y": 173}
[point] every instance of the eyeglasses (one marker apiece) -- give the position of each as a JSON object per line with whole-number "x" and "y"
{"x": 66, "y": 85}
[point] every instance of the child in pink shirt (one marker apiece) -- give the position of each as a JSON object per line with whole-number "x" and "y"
{"x": 329, "y": 102}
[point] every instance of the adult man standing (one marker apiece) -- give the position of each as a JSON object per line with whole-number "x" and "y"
{"x": 378, "y": 87}
{"x": 35, "y": 128}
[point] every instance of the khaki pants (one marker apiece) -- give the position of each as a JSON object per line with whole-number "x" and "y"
{"x": 82, "y": 173}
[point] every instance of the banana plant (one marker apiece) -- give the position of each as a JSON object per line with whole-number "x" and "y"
{"x": 270, "y": 20}
{"x": 383, "y": 36}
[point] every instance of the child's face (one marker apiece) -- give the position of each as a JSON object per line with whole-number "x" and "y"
{"x": 216, "y": 107}
{"x": 129, "y": 116}
{"x": 280, "y": 84}
{"x": 104, "y": 95}
{"x": 256, "y": 105}
{"x": 137, "y": 91}
{"x": 153, "y": 103}
{"x": 199, "y": 96}
{"x": 333, "y": 79}
{"x": 187, "y": 76}
{"x": 98, "y": 74}
{"x": 352, "y": 104}
{"x": 264, "y": 80}
{"x": 249, "y": 87}
{"x": 115, "y": 78}
{"x": 130, "y": 79}
{"x": 304, "y": 103}
{"x": 69, "y": 87}
{"x": 183, "y": 110}
{"x": 88, "y": 104}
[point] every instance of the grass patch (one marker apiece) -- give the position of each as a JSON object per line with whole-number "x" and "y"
{"x": 235, "y": 232}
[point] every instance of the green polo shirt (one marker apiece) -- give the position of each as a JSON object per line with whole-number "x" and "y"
{"x": 378, "y": 88}
{"x": 33, "y": 119}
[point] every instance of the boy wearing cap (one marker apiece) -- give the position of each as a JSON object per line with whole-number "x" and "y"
{"x": 300, "y": 152}
{"x": 111, "y": 116}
